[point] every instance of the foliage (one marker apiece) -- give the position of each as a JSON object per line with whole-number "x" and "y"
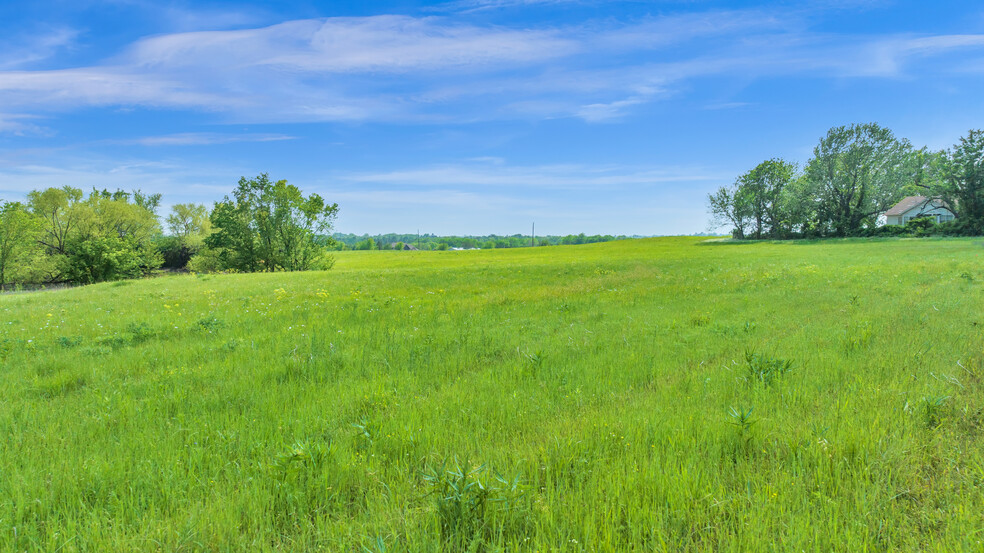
{"x": 270, "y": 226}
{"x": 466, "y": 506}
{"x": 765, "y": 187}
{"x": 188, "y": 225}
{"x": 961, "y": 180}
{"x": 731, "y": 205}
{"x": 756, "y": 203}
{"x": 105, "y": 236}
{"x": 764, "y": 369}
{"x": 64, "y": 236}
{"x": 19, "y": 249}
{"x": 856, "y": 174}
{"x": 189, "y": 221}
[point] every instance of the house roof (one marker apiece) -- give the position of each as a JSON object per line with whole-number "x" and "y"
{"x": 908, "y": 203}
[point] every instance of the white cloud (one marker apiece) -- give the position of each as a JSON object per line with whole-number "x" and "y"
{"x": 594, "y": 113}
{"x": 479, "y": 5}
{"x": 400, "y": 68}
{"x": 21, "y": 125}
{"x": 68, "y": 88}
{"x": 203, "y": 138}
{"x": 34, "y": 47}
{"x": 497, "y": 174}
{"x": 365, "y": 44}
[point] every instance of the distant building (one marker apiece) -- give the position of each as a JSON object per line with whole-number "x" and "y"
{"x": 913, "y": 207}
{"x": 407, "y": 246}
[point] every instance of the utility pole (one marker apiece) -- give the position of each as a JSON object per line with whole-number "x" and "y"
{"x": 418, "y": 239}
{"x": 533, "y": 236}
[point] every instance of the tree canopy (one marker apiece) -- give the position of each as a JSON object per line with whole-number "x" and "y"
{"x": 61, "y": 235}
{"x": 857, "y": 172}
{"x": 270, "y": 226}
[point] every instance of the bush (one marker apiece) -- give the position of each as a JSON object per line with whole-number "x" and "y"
{"x": 97, "y": 259}
{"x": 885, "y": 230}
{"x": 175, "y": 251}
{"x": 205, "y": 261}
{"x": 920, "y": 226}
{"x": 960, "y": 227}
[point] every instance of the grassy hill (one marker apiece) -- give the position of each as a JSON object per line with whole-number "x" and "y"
{"x": 659, "y": 394}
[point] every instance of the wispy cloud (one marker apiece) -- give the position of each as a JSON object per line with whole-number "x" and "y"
{"x": 21, "y": 125}
{"x": 364, "y": 44}
{"x": 30, "y": 48}
{"x": 480, "y": 5}
{"x": 498, "y": 174}
{"x": 203, "y": 138}
{"x": 594, "y": 113}
{"x": 401, "y": 68}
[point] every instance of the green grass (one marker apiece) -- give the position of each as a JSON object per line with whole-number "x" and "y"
{"x": 661, "y": 394}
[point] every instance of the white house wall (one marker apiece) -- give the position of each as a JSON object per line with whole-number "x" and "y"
{"x": 918, "y": 210}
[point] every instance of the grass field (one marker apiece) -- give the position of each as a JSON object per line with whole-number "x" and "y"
{"x": 659, "y": 394}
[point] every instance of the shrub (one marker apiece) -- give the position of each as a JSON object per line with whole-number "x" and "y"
{"x": 205, "y": 261}
{"x": 175, "y": 252}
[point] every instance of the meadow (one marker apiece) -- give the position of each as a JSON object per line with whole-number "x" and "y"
{"x": 670, "y": 394}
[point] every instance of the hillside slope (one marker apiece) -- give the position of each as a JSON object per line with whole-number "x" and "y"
{"x": 658, "y": 394}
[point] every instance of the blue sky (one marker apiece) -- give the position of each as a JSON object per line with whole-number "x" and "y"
{"x": 469, "y": 116}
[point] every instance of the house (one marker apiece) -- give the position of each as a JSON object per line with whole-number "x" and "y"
{"x": 918, "y": 206}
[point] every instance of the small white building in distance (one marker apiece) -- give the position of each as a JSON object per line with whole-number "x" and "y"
{"x": 918, "y": 206}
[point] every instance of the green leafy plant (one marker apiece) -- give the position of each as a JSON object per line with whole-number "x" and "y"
{"x": 764, "y": 369}
{"x": 933, "y": 408}
{"x": 465, "y": 504}
{"x": 741, "y": 418}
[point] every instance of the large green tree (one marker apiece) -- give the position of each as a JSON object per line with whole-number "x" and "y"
{"x": 105, "y": 236}
{"x": 764, "y": 188}
{"x": 858, "y": 172}
{"x": 19, "y": 248}
{"x": 730, "y": 205}
{"x": 269, "y": 226}
{"x": 189, "y": 221}
{"x": 960, "y": 180}
{"x": 114, "y": 238}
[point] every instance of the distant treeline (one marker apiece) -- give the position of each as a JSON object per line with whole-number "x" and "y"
{"x": 61, "y": 235}
{"x": 856, "y": 174}
{"x": 433, "y": 242}
{"x": 65, "y": 236}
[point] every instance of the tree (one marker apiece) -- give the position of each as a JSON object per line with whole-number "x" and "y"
{"x": 269, "y": 226}
{"x": 763, "y": 187}
{"x": 859, "y": 172}
{"x": 57, "y": 206}
{"x": 188, "y": 225}
{"x": 113, "y": 237}
{"x": 106, "y": 236}
{"x": 961, "y": 180}
{"x": 188, "y": 220}
{"x": 367, "y": 244}
{"x": 730, "y": 206}
{"x": 19, "y": 231}
{"x": 800, "y": 203}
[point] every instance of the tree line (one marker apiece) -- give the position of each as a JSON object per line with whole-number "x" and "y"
{"x": 856, "y": 174}
{"x": 433, "y": 242}
{"x": 61, "y": 235}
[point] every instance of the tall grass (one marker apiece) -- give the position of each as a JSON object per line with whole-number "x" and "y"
{"x": 663, "y": 394}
